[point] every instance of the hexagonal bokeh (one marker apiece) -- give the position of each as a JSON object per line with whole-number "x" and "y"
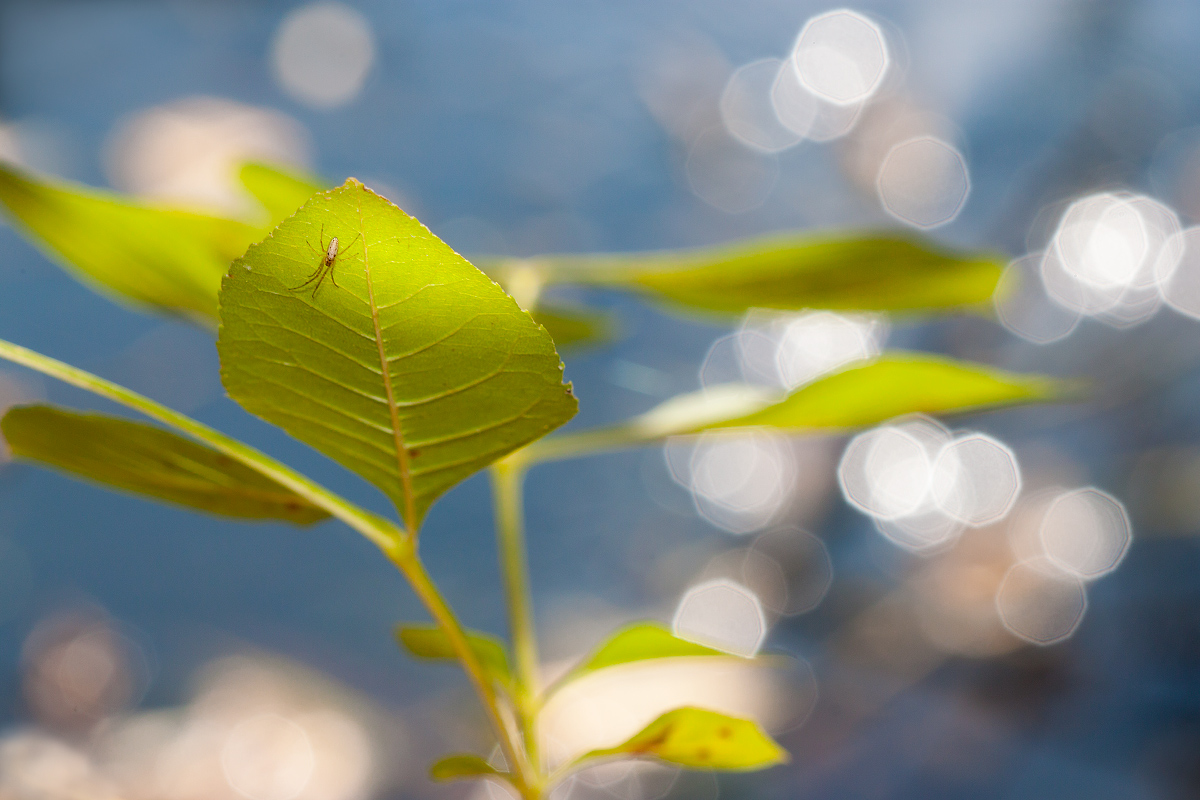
{"x": 923, "y": 182}
{"x": 722, "y": 614}
{"x": 841, "y": 56}
{"x": 1040, "y": 603}
{"x": 976, "y": 480}
{"x": 1086, "y": 532}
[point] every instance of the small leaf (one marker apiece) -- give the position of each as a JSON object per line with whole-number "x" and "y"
{"x": 428, "y": 641}
{"x": 150, "y": 461}
{"x": 574, "y": 328}
{"x": 161, "y": 258}
{"x": 462, "y": 766}
{"x": 792, "y": 272}
{"x": 407, "y": 364}
{"x": 701, "y": 739}
{"x": 640, "y": 642}
{"x": 279, "y": 190}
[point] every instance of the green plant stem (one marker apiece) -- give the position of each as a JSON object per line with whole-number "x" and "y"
{"x": 410, "y": 565}
{"x": 584, "y": 443}
{"x": 508, "y": 478}
{"x": 395, "y": 543}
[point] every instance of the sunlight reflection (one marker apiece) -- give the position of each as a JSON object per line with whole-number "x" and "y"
{"x": 722, "y": 614}
{"x": 1040, "y": 603}
{"x": 322, "y": 53}
{"x": 923, "y": 182}
{"x": 747, "y": 109}
{"x": 841, "y": 56}
{"x": 1086, "y": 532}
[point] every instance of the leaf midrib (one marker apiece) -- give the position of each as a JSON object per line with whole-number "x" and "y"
{"x": 402, "y": 461}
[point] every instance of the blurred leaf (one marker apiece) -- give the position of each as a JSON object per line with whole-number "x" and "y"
{"x": 640, "y": 642}
{"x": 791, "y": 272}
{"x": 428, "y": 641}
{"x": 574, "y": 328}
{"x": 702, "y": 739}
{"x": 858, "y": 396}
{"x": 414, "y": 369}
{"x": 279, "y": 190}
{"x": 462, "y": 766}
{"x": 161, "y": 258}
{"x": 150, "y": 461}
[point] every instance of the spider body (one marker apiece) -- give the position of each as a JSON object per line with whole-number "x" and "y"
{"x": 329, "y": 254}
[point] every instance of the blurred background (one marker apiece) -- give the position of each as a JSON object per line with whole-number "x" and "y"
{"x": 1044, "y": 645}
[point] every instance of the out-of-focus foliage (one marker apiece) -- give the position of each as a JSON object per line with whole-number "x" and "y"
{"x": 150, "y": 461}
{"x": 792, "y": 272}
{"x": 430, "y": 642}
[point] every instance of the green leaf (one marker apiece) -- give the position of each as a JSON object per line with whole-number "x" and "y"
{"x": 884, "y": 272}
{"x": 279, "y": 190}
{"x": 574, "y": 328}
{"x": 640, "y": 642}
{"x": 428, "y": 641}
{"x": 701, "y": 739}
{"x": 377, "y": 529}
{"x": 150, "y": 461}
{"x": 866, "y": 394}
{"x": 159, "y": 258}
{"x": 413, "y": 369}
{"x": 462, "y": 766}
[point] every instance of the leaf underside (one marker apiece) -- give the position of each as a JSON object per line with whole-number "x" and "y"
{"x": 150, "y": 461}
{"x": 462, "y": 766}
{"x": 428, "y": 641}
{"x": 166, "y": 259}
{"x": 406, "y": 364}
{"x": 791, "y": 272}
{"x": 701, "y": 739}
{"x": 639, "y": 642}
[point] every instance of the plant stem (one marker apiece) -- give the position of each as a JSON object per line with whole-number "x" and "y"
{"x": 410, "y": 565}
{"x": 395, "y": 543}
{"x": 507, "y": 480}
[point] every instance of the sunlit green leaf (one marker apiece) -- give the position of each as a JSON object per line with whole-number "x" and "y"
{"x": 150, "y": 461}
{"x": 428, "y": 641}
{"x": 462, "y": 766}
{"x": 860, "y": 395}
{"x": 701, "y": 739}
{"x": 161, "y": 258}
{"x": 574, "y": 328}
{"x": 640, "y": 642}
{"x": 280, "y": 191}
{"x": 406, "y": 364}
{"x": 881, "y": 272}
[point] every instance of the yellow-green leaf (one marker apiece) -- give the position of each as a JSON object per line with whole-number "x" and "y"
{"x": 280, "y": 191}
{"x": 164, "y": 259}
{"x": 428, "y": 641}
{"x": 865, "y": 394}
{"x": 892, "y": 272}
{"x": 462, "y": 766}
{"x": 150, "y": 461}
{"x": 640, "y": 642}
{"x": 701, "y": 739}
{"x": 400, "y": 359}
{"x": 574, "y": 328}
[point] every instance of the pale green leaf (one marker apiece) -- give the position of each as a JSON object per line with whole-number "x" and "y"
{"x": 406, "y": 364}
{"x": 857, "y": 396}
{"x": 160, "y": 258}
{"x": 892, "y": 272}
{"x": 462, "y": 766}
{"x": 280, "y": 190}
{"x": 377, "y": 529}
{"x": 574, "y": 329}
{"x": 150, "y": 461}
{"x": 641, "y": 641}
{"x": 701, "y": 739}
{"x": 428, "y": 641}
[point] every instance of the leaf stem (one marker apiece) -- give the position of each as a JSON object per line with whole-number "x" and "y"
{"x": 395, "y": 543}
{"x": 508, "y": 477}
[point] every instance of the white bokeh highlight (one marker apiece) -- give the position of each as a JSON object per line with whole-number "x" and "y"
{"x": 922, "y": 486}
{"x": 722, "y": 614}
{"x": 322, "y": 54}
{"x": 1086, "y": 532}
{"x": 740, "y": 482}
{"x": 923, "y": 182}
{"x": 1024, "y": 308}
{"x": 1039, "y": 603}
{"x": 748, "y": 111}
{"x": 841, "y": 56}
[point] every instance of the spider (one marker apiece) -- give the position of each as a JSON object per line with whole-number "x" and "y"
{"x": 329, "y": 253}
